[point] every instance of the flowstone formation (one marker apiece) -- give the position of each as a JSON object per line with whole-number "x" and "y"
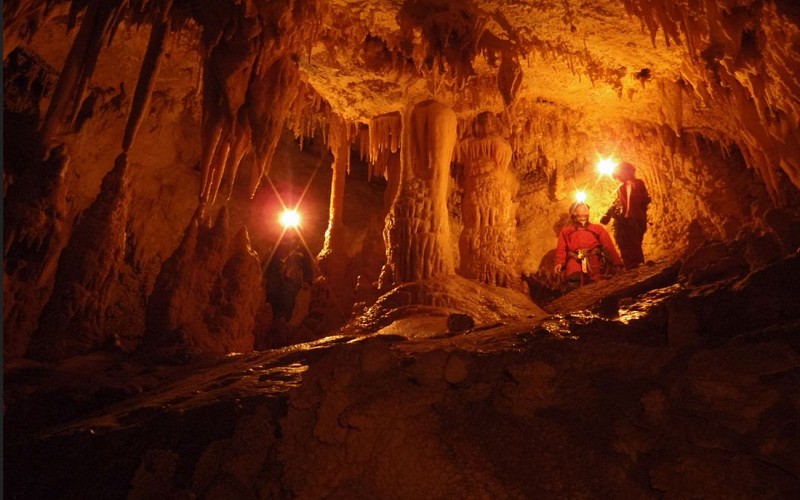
{"x": 213, "y": 273}
{"x": 417, "y": 228}
{"x": 666, "y": 398}
{"x": 246, "y": 103}
{"x": 487, "y": 245}
{"x": 73, "y": 319}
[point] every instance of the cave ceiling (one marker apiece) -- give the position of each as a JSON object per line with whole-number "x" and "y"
{"x": 593, "y": 57}
{"x": 727, "y": 68}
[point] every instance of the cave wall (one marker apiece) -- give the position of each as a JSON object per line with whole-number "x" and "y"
{"x": 161, "y": 184}
{"x": 701, "y": 187}
{"x": 701, "y": 99}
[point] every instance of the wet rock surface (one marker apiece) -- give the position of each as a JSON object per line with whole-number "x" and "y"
{"x": 684, "y": 392}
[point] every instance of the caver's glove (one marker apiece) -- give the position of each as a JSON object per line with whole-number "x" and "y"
{"x": 605, "y": 219}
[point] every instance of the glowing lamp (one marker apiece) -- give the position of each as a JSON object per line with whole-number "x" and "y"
{"x": 606, "y": 166}
{"x": 290, "y": 218}
{"x": 580, "y": 196}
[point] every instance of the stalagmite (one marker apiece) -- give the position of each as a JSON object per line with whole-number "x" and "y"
{"x": 333, "y": 256}
{"x": 36, "y": 229}
{"x": 417, "y": 228}
{"x": 487, "y": 245}
{"x": 207, "y": 295}
{"x": 72, "y": 322}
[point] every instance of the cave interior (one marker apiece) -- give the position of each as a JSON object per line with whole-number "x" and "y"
{"x": 158, "y": 342}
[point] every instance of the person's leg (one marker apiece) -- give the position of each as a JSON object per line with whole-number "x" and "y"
{"x": 640, "y": 228}
{"x": 573, "y": 281}
{"x": 629, "y": 240}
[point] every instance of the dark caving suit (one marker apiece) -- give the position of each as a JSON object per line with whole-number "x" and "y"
{"x": 629, "y": 212}
{"x": 289, "y": 269}
{"x": 582, "y": 249}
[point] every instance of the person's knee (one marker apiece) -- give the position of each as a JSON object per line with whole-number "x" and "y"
{"x": 573, "y": 281}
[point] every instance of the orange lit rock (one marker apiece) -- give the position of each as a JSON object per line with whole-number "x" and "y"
{"x": 488, "y": 247}
{"x": 208, "y": 295}
{"x": 417, "y": 226}
{"x": 72, "y": 321}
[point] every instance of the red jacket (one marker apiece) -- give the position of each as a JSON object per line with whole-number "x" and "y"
{"x": 639, "y": 200}
{"x": 594, "y": 236}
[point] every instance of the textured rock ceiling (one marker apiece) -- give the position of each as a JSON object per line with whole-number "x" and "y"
{"x": 729, "y": 68}
{"x": 585, "y": 55}
{"x": 718, "y": 66}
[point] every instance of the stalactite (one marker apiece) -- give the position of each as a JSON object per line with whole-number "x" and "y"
{"x": 23, "y": 18}
{"x": 212, "y": 135}
{"x": 241, "y": 145}
{"x": 220, "y": 161}
{"x": 226, "y": 77}
{"x": 671, "y": 109}
{"x": 509, "y": 77}
{"x": 755, "y": 85}
{"x": 269, "y": 96}
{"x": 147, "y": 75}
{"x": 363, "y": 145}
{"x": 384, "y": 136}
{"x": 79, "y": 65}
{"x": 307, "y": 113}
{"x": 339, "y": 143}
{"x": 105, "y": 27}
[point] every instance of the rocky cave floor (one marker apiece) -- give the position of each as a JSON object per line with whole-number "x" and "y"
{"x": 663, "y": 382}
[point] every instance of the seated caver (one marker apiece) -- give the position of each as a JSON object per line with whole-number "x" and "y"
{"x": 584, "y": 250}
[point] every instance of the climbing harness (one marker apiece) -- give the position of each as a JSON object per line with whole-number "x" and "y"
{"x": 582, "y": 256}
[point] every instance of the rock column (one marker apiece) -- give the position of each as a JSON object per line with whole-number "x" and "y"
{"x": 417, "y": 227}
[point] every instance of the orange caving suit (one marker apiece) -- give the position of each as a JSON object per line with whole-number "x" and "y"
{"x": 591, "y": 239}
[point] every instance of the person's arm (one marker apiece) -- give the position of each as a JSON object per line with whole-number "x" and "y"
{"x": 608, "y": 245}
{"x": 561, "y": 252}
{"x": 606, "y": 218}
{"x": 645, "y": 195}
{"x": 612, "y": 210}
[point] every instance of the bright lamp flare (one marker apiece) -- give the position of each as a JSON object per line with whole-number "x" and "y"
{"x": 580, "y": 196}
{"x": 290, "y": 218}
{"x": 606, "y": 166}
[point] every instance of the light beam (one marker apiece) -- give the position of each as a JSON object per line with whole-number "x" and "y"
{"x": 606, "y": 166}
{"x": 290, "y": 218}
